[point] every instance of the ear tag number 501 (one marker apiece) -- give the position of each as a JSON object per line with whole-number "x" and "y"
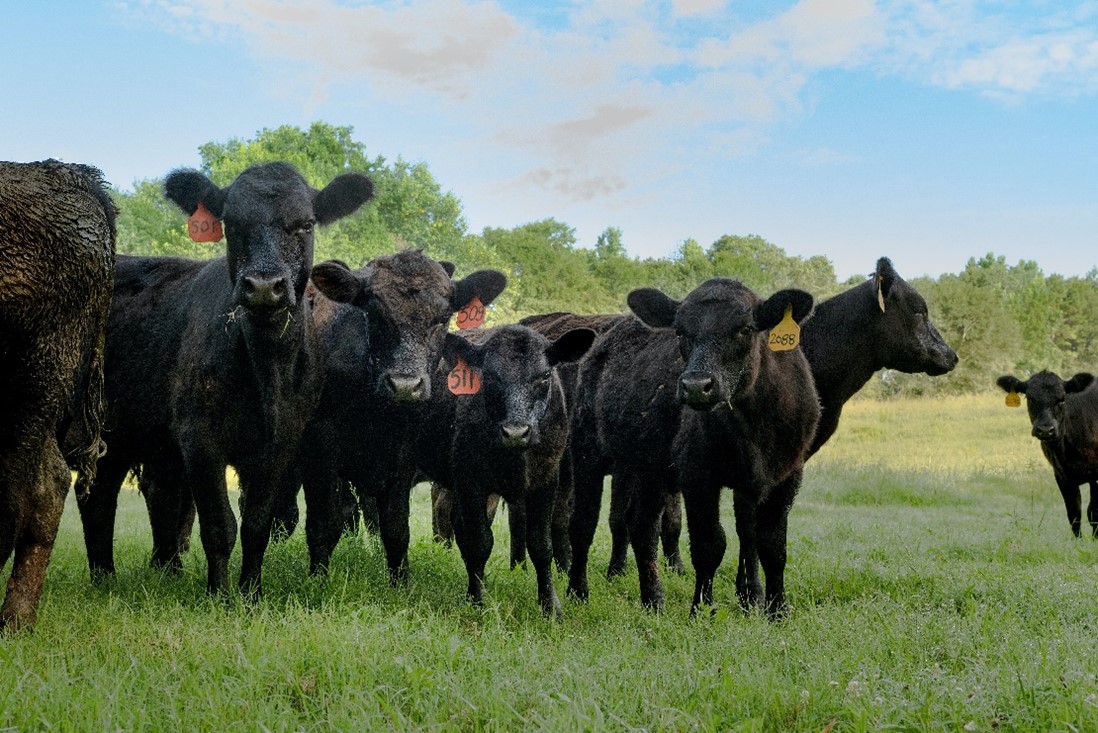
{"x": 463, "y": 379}
{"x": 786, "y": 335}
{"x": 203, "y": 226}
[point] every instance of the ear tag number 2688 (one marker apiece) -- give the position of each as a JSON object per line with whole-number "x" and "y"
{"x": 786, "y": 335}
{"x": 1013, "y": 399}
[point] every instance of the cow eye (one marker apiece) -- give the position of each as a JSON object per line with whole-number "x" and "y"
{"x": 747, "y": 331}
{"x": 301, "y": 227}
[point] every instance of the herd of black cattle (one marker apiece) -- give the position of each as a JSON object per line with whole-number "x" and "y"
{"x": 348, "y": 384}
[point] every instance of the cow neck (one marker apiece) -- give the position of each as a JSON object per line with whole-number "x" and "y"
{"x": 840, "y": 344}
{"x": 279, "y": 358}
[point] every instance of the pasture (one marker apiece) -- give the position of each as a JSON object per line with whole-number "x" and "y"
{"x": 933, "y": 578}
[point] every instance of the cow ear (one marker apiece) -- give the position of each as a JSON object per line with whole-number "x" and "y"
{"x": 570, "y": 346}
{"x": 448, "y": 266}
{"x": 1011, "y": 383}
{"x": 188, "y": 188}
{"x": 335, "y": 280}
{"x": 342, "y": 197}
{"x": 484, "y": 284}
{"x": 1078, "y": 383}
{"x": 455, "y": 347}
{"x": 653, "y": 307}
{"x": 884, "y": 277}
{"x": 770, "y": 312}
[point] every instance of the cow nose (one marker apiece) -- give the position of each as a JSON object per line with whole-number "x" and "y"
{"x": 1044, "y": 432}
{"x": 263, "y": 291}
{"x": 516, "y": 436}
{"x": 407, "y": 387}
{"x": 698, "y": 389}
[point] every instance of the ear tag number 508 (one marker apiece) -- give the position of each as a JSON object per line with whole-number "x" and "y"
{"x": 203, "y": 226}
{"x": 786, "y": 335}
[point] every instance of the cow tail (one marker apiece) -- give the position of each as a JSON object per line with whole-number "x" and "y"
{"x": 92, "y": 410}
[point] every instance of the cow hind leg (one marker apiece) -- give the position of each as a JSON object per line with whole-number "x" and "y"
{"x": 442, "y": 508}
{"x": 98, "y": 507}
{"x": 671, "y": 530}
{"x": 643, "y": 516}
{"x": 1092, "y": 509}
{"x": 33, "y": 542}
{"x": 581, "y": 530}
{"x": 621, "y": 492}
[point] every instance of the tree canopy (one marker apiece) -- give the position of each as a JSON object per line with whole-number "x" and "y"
{"x": 998, "y": 317}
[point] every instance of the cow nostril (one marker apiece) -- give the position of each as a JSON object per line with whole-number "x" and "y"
{"x": 516, "y": 433}
{"x": 407, "y": 387}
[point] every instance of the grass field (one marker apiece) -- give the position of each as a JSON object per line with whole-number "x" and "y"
{"x": 934, "y": 581}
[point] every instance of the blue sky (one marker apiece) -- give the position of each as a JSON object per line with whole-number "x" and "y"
{"x": 930, "y": 132}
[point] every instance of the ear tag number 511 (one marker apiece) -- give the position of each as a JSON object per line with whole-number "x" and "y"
{"x": 786, "y": 335}
{"x": 463, "y": 379}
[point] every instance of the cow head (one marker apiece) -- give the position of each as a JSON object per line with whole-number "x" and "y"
{"x": 1045, "y": 396}
{"x": 516, "y": 375}
{"x": 269, "y": 213}
{"x": 408, "y": 300}
{"x": 721, "y": 327}
{"x": 906, "y": 339}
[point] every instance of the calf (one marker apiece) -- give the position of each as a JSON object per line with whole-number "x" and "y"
{"x": 217, "y": 363}
{"x": 751, "y": 420}
{"x": 57, "y": 242}
{"x": 384, "y": 350}
{"x": 1064, "y": 416}
{"x": 507, "y": 439}
{"x": 882, "y": 323}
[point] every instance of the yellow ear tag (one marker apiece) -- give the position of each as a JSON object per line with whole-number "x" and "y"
{"x": 880, "y": 295}
{"x": 786, "y": 335}
{"x": 1013, "y": 399}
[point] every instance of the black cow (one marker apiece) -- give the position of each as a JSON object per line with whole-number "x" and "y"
{"x": 752, "y": 418}
{"x": 507, "y": 439}
{"x": 214, "y": 364}
{"x": 57, "y": 242}
{"x": 384, "y": 350}
{"x": 1064, "y": 416}
{"x": 882, "y": 323}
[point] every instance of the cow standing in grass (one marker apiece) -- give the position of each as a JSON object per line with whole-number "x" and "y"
{"x": 216, "y": 363}
{"x": 882, "y": 323}
{"x": 507, "y": 438}
{"x": 1064, "y": 416}
{"x": 384, "y": 349}
{"x": 57, "y": 242}
{"x": 690, "y": 398}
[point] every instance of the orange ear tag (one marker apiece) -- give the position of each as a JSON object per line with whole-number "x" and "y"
{"x": 1013, "y": 399}
{"x": 463, "y": 379}
{"x": 204, "y": 226}
{"x": 786, "y": 335}
{"x": 472, "y": 315}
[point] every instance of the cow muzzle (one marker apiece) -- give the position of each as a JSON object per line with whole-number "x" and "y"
{"x": 407, "y": 387}
{"x": 265, "y": 293}
{"x": 699, "y": 390}
{"x": 515, "y": 435}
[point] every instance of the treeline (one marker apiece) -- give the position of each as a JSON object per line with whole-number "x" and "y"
{"x": 998, "y": 317}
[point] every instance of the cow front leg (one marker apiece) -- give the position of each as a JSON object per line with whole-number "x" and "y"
{"x": 621, "y": 492}
{"x": 707, "y": 539}
{"x": 474, "y": 539}
{"x": 539, "y": 519}
{"x": 772, "y": 533}
{"x": 749, "y": 587}
{"x": 1072, "y": 502}
{"x": 1092, "y": 509}
{"x": 393, "y": 511}
{"x": 216, "y": 522}
{"x": 671, "y": 530}
{"x": 643, "y": 516}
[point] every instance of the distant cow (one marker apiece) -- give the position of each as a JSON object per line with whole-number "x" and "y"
{"x": 383, "y": 352}
{"x": 1064, "y": 416}
{"x": 57, "y": 241}
{"x": 882, "y": 323}
{"x": 216, "y": 363}
{"x": 690, "y": 397}
{"x": 507, "y": 438}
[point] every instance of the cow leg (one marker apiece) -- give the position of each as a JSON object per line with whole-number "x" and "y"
{"x": 35, "y": 533}
{"x": 97, "y": 515}
{"x": 516, "y": 522}
{"x": 748, "y": 584}
{"x": 585, "y": 519}
{"x": 539, "y": 519}
{"x": 169, "y": 504}
{"x": 349, "y": 513}
{"x": 474, "y": 539}
{"x": 261, "y": 494}
{"x": 285, "y": 514}
{"x": 643, "y": 517}
{"x": 707, "y": 539}
{"x": 1072, "y": 502}
{"x": 322, "y": 524}
{"x": 393, "y": 511}
{"x": 670, "y": 530}
{"x": 442, "y": 507}
{"x": 1092, "y": 509}
{"x": 216, "y": 522}
{"x": 771, "y": 533}
{"x": 621, "y": 493}
{"x": 562, "y": 515}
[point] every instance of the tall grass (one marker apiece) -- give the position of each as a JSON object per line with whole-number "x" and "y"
{"x": 934, "y": 581}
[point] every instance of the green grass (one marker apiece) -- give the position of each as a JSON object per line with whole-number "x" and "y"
{"x": 934, "y": 582}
